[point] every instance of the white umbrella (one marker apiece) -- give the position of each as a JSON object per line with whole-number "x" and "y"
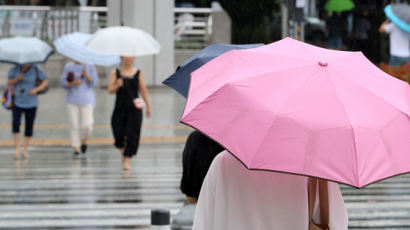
{"x": 123, "y": 41}
{"x": 73, "y": 46}
{"x": 24, "y": 50}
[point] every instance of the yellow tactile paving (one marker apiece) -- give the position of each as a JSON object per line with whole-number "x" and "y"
{"x": 96, "y": 141}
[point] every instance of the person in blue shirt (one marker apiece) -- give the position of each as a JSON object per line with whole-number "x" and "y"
{"x": 78, "y": 80}
{"x": 23, "y": 80}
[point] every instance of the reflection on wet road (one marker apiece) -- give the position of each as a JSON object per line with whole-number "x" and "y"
{"x": 51, "y": 190}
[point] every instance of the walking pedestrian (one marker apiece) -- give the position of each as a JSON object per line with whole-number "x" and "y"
{"x": 23, "y": 79}
{"x": 126, "y": 82}
{"x": 78, "y": 80}
{"x": 362, "y": 29}
{"x": 235, "y": 198}
{"x": 335, "y": 24}
{"x": 198, "y": 154}
{"x": 399, "y": 43}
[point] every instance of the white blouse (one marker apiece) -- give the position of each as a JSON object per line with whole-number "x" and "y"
{"x": 235, "y": 198}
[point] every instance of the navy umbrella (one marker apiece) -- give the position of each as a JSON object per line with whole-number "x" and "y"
{"x": 181, "y": 78}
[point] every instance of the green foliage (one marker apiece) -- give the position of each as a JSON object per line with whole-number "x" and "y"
{"x": 250, "y": 19}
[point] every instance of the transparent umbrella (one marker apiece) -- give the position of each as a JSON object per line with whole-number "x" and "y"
{"x": 73, "y": 46}
{"x": 24, "y": 50}
{"x": 123, "y": 41}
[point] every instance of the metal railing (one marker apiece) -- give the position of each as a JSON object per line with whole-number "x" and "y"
{"x": 193, "y": 26}
{"x": 47, "y": 22}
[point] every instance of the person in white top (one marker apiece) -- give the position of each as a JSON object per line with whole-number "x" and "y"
{"x": 235, "y": 198}
{"x": 399, "y": 43}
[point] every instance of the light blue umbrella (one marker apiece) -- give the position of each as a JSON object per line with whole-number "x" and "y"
{"x": 399, "y": 14}
{"x": 24, "y": 50}
{"x": 73, "y": 46}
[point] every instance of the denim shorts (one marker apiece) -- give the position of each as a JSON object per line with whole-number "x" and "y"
{"x": 398, "y": 61}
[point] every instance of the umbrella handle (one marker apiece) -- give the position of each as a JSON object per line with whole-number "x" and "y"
{"x": 323, "y": 202}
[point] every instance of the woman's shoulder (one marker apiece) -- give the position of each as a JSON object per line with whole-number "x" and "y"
{"x": 223, "y": 156}
{"x": 14, "y": 69}
{"x": 137, "y": 71}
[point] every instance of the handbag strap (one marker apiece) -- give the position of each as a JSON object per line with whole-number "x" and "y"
{"x": 37, "y": 74}
{"x": 323, "y": 203}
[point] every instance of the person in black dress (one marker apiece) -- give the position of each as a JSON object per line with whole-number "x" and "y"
{"x": 126, "y": 119}
{"x": 197, "y": 157}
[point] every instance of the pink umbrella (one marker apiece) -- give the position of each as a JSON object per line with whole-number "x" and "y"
{"x": 296, "y": 108}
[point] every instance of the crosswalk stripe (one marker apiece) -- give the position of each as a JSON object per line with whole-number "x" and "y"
{"x": 53, "y": 191}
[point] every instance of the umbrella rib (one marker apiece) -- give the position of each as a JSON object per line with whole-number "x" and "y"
{"x": 273, "y": 72}
{"x": 368, "y": 90}
{"x": 347, "y": 54}
{"x": 284, "y": 104}
{"x": 351, "y": 126}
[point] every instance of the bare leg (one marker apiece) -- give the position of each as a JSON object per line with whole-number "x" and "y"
{"x": 26, "y": 144}
{"x": 126, "y": 164}
{"x": 122, "y": 153}
{"x": 126, "y": 161}
{"x": 16, "y": 137}
{"x": 87, "y": 121}
{"x": 77, "y": 149}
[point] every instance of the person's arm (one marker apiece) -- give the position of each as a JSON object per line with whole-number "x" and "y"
{"x": 192, "y": 200}
{"x": 37, "y": 89}
{"x": 74, "y": 83}
{"x": 114, "y": 83}
{"x": 14, "y": 81}
{"x": 44, "y": 82}
{"x": 90, "y": 75}
{"x": 338, "y": 218}
{"x": 64, "y": 83}
{"x": 190, "y": 178}
{"x": 144, "y": 93}
{"x": 383, "y": 28}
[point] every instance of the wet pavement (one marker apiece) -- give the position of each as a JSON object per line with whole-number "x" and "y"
{"x": 51, "y": 190}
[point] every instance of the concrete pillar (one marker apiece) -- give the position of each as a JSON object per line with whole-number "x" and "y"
{"x": 221, "y": 25}
{"x": 157, "y": 18}
{"x": 84, "y": 18}
{"x": 285, "y": 18}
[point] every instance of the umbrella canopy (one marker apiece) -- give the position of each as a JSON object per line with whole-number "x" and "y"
{"x": 293, "y": 107}
{"x": 399, "y": 14}
{"x": 24, "y": 50}
{"x": 339, "y": 5}
{"x": 180, "y": 79}
{"x": 123, "y": 41}
{"x": 73, "y": 46}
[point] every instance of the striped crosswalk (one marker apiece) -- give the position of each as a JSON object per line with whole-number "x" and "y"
{"x": 51, "y": 190}
{"x": 384, "y": 205}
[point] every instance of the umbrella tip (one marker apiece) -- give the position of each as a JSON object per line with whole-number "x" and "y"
{"x": 323, "y": 63}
